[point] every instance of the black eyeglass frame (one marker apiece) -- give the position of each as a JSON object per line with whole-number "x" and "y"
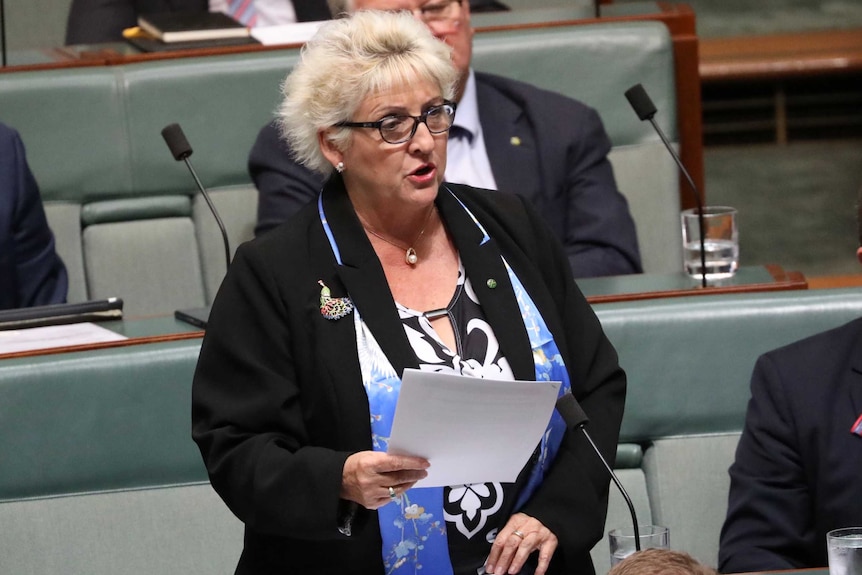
{"x": 436, "y": 7}
{"x": 423, "y": 118}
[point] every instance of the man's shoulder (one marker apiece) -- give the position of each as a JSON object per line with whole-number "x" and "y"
{"x": 844, "y": 335}
{"x": 8, "y": 135}
{"x": 825, "y": 349}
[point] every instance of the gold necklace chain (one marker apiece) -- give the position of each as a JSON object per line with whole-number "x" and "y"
{"x": 410, "y": 255}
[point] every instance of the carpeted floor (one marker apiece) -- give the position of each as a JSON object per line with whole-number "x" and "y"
{"x": 797, "y": 203}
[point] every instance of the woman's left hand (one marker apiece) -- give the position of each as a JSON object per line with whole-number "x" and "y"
{"x": 516, "y": 541}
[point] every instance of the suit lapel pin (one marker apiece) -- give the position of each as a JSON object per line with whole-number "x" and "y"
{"x": 515, "y": 141}
{"x": 333, "y": 307}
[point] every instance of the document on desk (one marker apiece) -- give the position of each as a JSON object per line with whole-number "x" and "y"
{"x": 36, "y": 338}
{"x": 471, "y": 430}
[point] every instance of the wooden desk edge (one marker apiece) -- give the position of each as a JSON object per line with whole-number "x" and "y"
{"x": 773, "y": 56}
{"x": 106, "y": 345}
{"x": 784, "y": 281}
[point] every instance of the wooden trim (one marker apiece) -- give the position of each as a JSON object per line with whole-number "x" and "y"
{"x": 777, "y": 56}
{"x": 784, "y": 281}
{"x": 107, "y": 345}
{"x": 829, "y": 282}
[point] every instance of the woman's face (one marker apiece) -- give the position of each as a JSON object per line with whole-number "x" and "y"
{"x": 383, "y": 176}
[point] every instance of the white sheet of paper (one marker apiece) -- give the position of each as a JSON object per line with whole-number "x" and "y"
{"x": 296, "y": 33}
{"x": 471, "y": 430}
{"x": 33, "y": 338}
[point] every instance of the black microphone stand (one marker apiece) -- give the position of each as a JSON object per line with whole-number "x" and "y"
{"x": 181, "y": 150}
{"x": 646, "y": 110}
{"x": 3, "y": 31}
{"x": 575, "y": 417}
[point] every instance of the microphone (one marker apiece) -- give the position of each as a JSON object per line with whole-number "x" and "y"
{"x": 181, "y": 150}
{"x": 572, "y": 413}
{"x": 645, "y": 109}
{"x": 3, "y": 31}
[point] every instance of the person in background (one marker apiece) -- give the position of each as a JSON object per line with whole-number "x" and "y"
{"x": 797, "y": 470}
{"x": 31, "y": 272}
{"x": 95, "y": 21}
{"x": 508, "y": 136}
{"x": 391, "y": 268}
{"x": 661, "y": 562}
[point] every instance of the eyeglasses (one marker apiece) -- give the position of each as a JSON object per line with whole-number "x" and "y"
{"x": 399, "y": 128}
{"x": 439, "y": 11}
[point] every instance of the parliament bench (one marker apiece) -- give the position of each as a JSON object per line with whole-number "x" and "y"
{"x": 100, "y": 475}
{"x": 130, "y": 223}
{"x": 689, "y": 361}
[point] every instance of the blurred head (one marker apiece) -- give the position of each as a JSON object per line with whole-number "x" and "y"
{"x": 357, "y": 63}
{"x": 448, "y": 20}
{"x": 660, "y": 562}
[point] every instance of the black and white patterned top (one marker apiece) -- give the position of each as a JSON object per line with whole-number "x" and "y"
{"x": 474, "y": 513}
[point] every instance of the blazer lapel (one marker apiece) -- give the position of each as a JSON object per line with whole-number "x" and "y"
{"x": 509, "y": 141}
{"x": 364, "y": 279}
{"x": 484, "y": 266}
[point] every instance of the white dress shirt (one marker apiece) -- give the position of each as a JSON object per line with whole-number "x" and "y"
{"x": 467, "y": 160}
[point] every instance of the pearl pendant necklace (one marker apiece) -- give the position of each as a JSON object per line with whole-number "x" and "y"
{"x": 410, "y": 255}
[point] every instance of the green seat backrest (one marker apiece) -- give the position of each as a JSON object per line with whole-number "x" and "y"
{"x": 596, "y": 64}
{"x": 100, "y": 474}
{"x": 689, "y": 362}
{"x": 689, "y": 359}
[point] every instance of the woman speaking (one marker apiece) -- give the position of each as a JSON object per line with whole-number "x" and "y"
{"x": 392, "y": 268}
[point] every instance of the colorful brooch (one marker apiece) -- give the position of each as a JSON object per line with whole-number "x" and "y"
{"x": 333, "y": 307}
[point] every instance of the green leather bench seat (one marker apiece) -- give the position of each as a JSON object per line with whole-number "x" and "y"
{"x": 93, "y": 135}
{"x": 689, "y": 362}
{"x": 100, "y": 475}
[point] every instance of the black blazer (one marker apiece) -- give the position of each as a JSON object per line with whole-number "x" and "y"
{"x": 94, "y": 21}
{"x": 558, "y": 163}
{"x": 31, "y": 272}
{"x": 278, "y": 403}
{"x": 797, "y": 469}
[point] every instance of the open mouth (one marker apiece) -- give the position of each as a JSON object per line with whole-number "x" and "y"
{"x": 424, "y": 170}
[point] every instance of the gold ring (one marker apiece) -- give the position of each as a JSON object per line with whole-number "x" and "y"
{"x": 518, "y": 534}
{"x": 392, "y": 494}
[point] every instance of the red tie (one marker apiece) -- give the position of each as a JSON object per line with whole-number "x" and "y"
{"x": 243, "y": 11}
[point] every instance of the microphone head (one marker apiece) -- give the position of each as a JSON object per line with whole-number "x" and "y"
{"x": 571, "y": 411}
{"x": 176, "y": 141}
{"x": 640, "y": 101}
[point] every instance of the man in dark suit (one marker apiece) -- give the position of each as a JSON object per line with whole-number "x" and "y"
{"x": 94, "y": 21}
{"x": 507, "y": 135}
{"x": 798, "y": 468}
{"x": 31, "y": 273}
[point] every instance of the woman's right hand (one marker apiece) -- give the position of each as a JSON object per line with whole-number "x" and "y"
{"x": 368, "y": 476}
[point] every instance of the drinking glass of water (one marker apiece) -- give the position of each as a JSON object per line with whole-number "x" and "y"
{"x": 720, "y": 242}
{"x": 844, "y": 547}
{"x": 622, "y": 541}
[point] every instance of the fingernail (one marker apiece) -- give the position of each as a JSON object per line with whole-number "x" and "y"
{"x": 489, "y": 569}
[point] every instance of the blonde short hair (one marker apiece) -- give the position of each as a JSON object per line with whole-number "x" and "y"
{"x": 349, "y": 60}
{"x": 661, "y": 562}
